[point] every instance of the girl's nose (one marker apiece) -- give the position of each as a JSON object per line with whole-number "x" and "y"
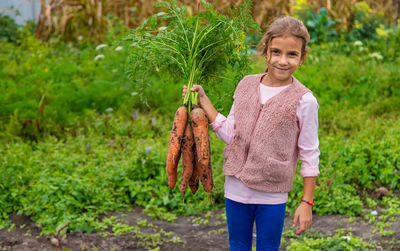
{"x": 282, "y": 60}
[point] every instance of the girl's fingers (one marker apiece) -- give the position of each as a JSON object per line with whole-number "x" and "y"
{"x": 199, "y": 89}
{"x": 304, "y": 225}
{"x": 184, "y": 91}
{"x": 296, "y": 217}
{"x": 196, "y": 88}
{"x": 301, "y": 227}
{"x": 309, "y": 223}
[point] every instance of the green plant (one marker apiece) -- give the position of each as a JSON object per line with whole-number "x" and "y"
{"x": 190, "y": 49}
{"x": 386, "y": 39}
{"x": 200, "y": 221}
{"x": 365, "y": 22}
{"x": 312, "y": 240}
{"x": 152, "y": 241}
{"x": 48, "y": 86}
{"x": 320, "y": 26}
{"x": 9, "y": 30}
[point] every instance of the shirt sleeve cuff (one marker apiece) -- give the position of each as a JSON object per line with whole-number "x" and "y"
{"x": 309, "y": 172}
{"x": 218, "y": 122}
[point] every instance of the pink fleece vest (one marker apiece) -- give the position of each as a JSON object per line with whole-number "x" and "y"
{"x": 264, "y": 152}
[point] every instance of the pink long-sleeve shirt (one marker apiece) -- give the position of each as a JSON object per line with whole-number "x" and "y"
{"x": 307, "y": 118}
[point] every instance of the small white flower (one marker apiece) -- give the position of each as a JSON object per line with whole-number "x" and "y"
{"x": 119, "y": 48}
{"x": 100, "y": 56}
{"x": 109, "y": 109}
{"x": 148, "y": 149}
{"x": 153, "y": 122}
{"x": 160, "y": 14}
{"x": 100, "y": 46}
{"x": 162, "y": 28}
{"x": 80, "y": 38}
{"x": 374, "y": 212}
{"x": 358, "y": 43}
{"x": 134, "y": 93}
{"x": 347, "y": 238}
{"x": 376, "y": 55}
{"x": 133, "y": 44}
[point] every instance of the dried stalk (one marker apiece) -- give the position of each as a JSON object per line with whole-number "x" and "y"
{"x": 88, "y": 18}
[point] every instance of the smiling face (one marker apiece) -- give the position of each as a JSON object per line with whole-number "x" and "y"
{"x": 283, "y": 57}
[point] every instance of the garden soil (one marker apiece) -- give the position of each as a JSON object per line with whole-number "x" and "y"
{"x": 201, "y": 232}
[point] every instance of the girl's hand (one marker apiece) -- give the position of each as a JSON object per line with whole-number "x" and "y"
{"x": 195, "y": 88}
{"x": 184, "y": 92}
{"x": 199, "y": 89}
{"x": 204, "y": 102}
{"x": 303, "y": 215}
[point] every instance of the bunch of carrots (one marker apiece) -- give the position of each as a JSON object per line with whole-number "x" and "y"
{"x": 189, "y": 139}
{"x": 191, "y": 49}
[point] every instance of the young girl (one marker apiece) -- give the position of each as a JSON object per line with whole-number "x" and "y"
{"x": 272, "y": 122}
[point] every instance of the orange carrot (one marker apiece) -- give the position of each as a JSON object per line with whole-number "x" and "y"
{"x": 174, "y": 148}
{"x": 199, "y": 123}
{"x": 194, "y": 180}
{"x": 187, "y": 158}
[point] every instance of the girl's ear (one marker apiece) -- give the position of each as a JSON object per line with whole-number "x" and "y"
{"x": 267, "y": 56}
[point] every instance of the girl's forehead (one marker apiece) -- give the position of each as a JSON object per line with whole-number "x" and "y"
{"x": 288, "y": 41}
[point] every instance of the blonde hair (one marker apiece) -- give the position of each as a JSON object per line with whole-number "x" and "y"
{"x": 285, "y": 26}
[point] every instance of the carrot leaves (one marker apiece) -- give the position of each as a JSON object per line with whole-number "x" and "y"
{"x": 190, "y": 49}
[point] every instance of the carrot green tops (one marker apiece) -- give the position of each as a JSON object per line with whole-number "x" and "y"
{"x": 264, "y": 151}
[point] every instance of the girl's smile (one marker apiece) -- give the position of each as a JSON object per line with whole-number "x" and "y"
{"x": 283, "y": 58}
{"x": 281, "y": 70}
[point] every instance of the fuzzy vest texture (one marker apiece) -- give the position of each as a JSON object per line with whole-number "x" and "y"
{"x": 264, "y": 152}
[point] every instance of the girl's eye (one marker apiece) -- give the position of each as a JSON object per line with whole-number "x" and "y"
{"x": 275, "y": 52}
{"x": 293, "y": 54}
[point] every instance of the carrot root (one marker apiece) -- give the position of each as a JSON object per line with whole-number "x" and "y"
{"x": 199, "y": 123}
{"x": 174, "y": 147}
{"x": 187, "y": 158}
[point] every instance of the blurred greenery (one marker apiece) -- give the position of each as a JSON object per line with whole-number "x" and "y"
{"x": 313, "y": 240}
{"x": 8, "y": 29}
{"x": 77, "y": 141}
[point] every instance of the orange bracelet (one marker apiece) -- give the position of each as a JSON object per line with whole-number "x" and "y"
{"x": 308, "y": 202}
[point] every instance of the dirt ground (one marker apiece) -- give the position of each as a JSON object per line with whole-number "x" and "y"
{"x": 207, "y": 232}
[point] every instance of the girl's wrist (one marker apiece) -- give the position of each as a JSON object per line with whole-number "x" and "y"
{"x": 308, "y": 202}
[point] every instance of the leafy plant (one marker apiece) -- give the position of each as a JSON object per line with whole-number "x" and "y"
{"x": 313, "y": 240}
{"x": 190, "y": 49}
{"x": 365, "y": 22}
{"x": 9, "y": 31}
{"x": 320, "y": 26}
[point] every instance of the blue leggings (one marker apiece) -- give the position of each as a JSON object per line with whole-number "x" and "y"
{"x": 269, "y": 225}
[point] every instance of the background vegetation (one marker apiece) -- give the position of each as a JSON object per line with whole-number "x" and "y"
{"x": 77, "y": 141}
{"x": 91, "y": 19}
